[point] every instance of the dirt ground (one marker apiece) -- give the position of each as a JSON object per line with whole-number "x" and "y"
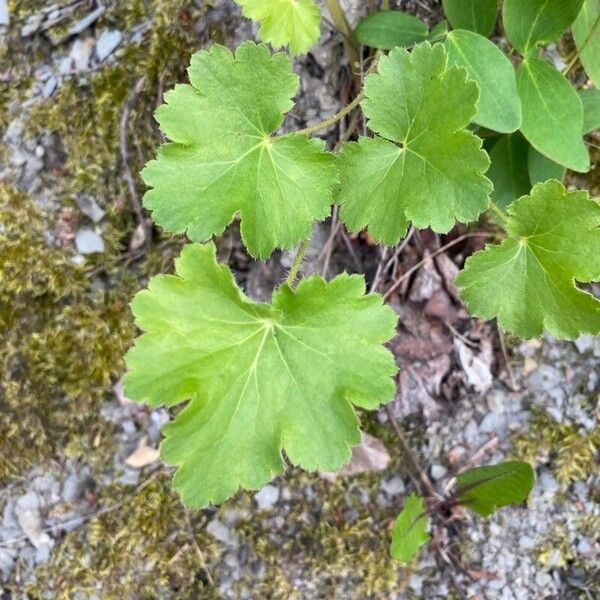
{"x": 86, "y": 509}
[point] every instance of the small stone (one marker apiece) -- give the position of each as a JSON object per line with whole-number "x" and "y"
{"x": 4, "y": 14}
{"x": 89, "y": 207}
{"x": 496, "y": 401}
{"x": 438, "y": 471}
{"x": 267, "y": 497}
{"x": 81, "y": 53}
{"x": 88, "y": 241}
{"x": 416, "y": 584}
{"x": 27, "y": 511}
{"x": 547, "y": 484}
{"x": 50, "y": 87}
{"x": 394, "y": 486}
{"x": 490, "y": 423}
{"x": 221, "y": 532}
{"x": 107, "y": 43}
{"x": 84, "y": 23}
{"x": 543, "y": 580}
{"x": 529, "y": 365}
{"x": 526, "y": 542}
{"x": 584, "y": 343}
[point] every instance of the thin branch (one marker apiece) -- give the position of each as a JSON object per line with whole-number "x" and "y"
{"x": 426, "y": 486}
{"x": 507, "y": 364}
{"x": 133, "y": 193}
{"x": 431, "y": 256}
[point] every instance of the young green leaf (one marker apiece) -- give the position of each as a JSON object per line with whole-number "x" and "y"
{"x": 223, "y": 161}
{"x": 528, "y": 281}
{"x": 541, "y": 168}
{"x": 508, "y": 171}
{"x": 410, "y": 530}
{"x": 537, "y": 22}
{"x": 591, "y": 109}
{"x": 424, "y": 166}
{"x": 552, "y": 114}
{"x": 486, "y": 489}
{"x": 586, "y": 31}
{"x": 260, "y": 378}
{"x": 474, "y": 15}
{"x": 499, "y": 107}
{"x": 293, "y": 23}
{"x": 390, "y": 28}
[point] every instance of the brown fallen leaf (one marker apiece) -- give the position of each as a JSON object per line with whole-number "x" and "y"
{"x": 369, "y": 456}
{"x": 143, "y": 455}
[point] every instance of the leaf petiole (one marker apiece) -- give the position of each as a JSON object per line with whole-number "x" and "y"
{"x": 295, "y": 268}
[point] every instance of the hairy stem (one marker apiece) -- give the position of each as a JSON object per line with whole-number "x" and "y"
{"x": 293, "y": 274}
{"x": 334, "y": 118}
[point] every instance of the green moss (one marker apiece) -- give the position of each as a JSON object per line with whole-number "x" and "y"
{"x": 61, "y": 343}
{"x": 572, "y": 454}
{"x": 335, "y": 543}
{"x": 142, "y": 546}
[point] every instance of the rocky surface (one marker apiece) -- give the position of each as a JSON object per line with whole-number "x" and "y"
{"x": 303, "y": 535}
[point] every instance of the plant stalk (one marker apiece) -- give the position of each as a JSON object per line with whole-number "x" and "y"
{"x": 334, "y": 118}
{"x": 341, "y": 23}
{"x": 295, "y": 268}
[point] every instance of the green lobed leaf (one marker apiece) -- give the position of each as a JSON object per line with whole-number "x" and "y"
{"x": 586, "y": 32}
{"x": 533, "y": 23}
{"x": 223, "y": 160}
{"x": 552, "y": 114}
{"x": 293, "y": 23}
{"x": 390, "y": 28}
{"x": 474, "y": 15}
{"x": 541, "y": 168}
{"x": 410, "y": 530}
{"x": 528, "y": 281}
{"x": 508, "y": 171}
{"x": 486, "y": 489}
{"x": 499, "y": 107}
{"x": 260, "y": 378}
{"x": 424, "y": 166}
{"x": 591, "y": 109}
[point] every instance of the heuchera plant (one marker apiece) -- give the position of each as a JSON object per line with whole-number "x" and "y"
{"x": 264, "y": 380}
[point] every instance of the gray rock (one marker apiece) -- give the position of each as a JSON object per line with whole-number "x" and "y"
{"x": 28, "y": 513}
{"x": 221, "y": 532}
{"x": 4, "y": 14}
{"x": 438, "y": 471}
{"x": 490, "y": 423}
{"x": 50, "y": 87}
{"x": 7, "y": 561}
{"x": 84, "y": 23}
{"x": 89, "y": 207}
{"x": 394, "y": 486}
{"x": 267, "y": 497}
{"x": 88, "y": 241}
{"x": 80, "y": 54}
{"x": 544, "y": 580}
{"x": 107, "y": 43}
{"x": 547, "y": 484}
{"x": 526, "y": 542}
